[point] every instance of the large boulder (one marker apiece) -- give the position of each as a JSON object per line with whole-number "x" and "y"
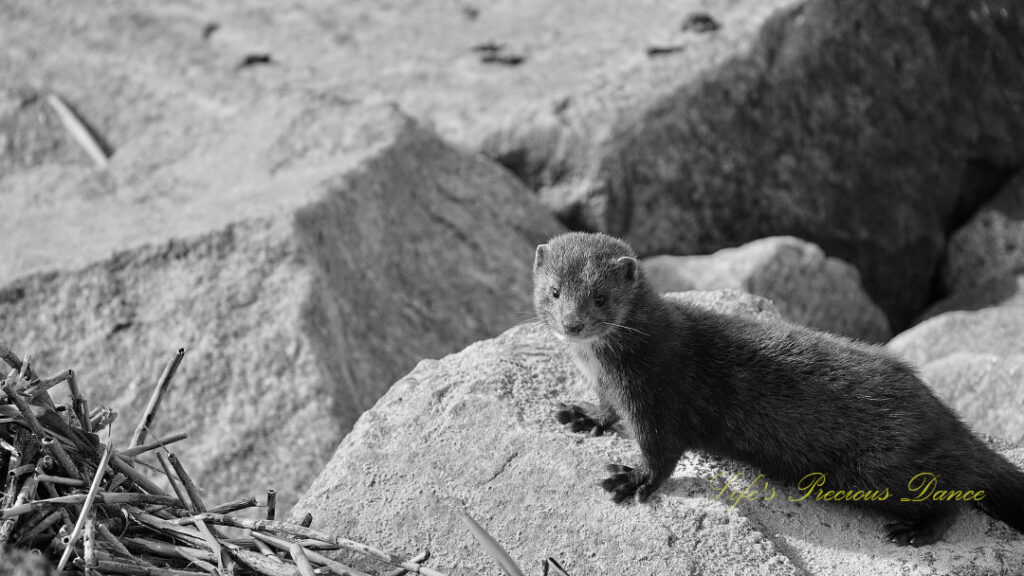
{"x": 475, "y": 431}
{"x": 989, "y": 248}
{"x": 809, "y": 288}
{"x": 305, "y": 258}
{"x": 866, "y": 127}
{"x": 973, "y": 361}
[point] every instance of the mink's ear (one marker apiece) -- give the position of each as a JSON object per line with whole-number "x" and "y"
{"x": 629, "y": 266}
{"x": 538, "y": 260}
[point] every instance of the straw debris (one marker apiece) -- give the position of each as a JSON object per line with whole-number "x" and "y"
{"x": 87, "y": 507}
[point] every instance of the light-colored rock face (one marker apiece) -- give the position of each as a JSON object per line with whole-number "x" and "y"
{"x": 1000, "y": 291}
{"x": 972, "y": 360}
{"x": 476, "y": 430}
{"x": 809, "y": 289}
{"x": 990, "y": 246}
{"x": 851, "y": 124}
{"x": 785, "y": 120}
{"x": 344, "y": 244}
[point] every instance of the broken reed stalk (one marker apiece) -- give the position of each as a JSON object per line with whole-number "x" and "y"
{"x": 266, "y": 550}
{"x": 143, "y": 448}
{"x": 168, "y": 550}
{"x": 271, "y": 503}
{"x": 301, "y": 561}
{"x": 113, "y": 567}
{"x": 87, "y": 507}
{"x": 78, "y": 404}
{"x": 33, "y": 423}
{"x": 154, "y": 401}
{"x": 76, "y": 499}
{"x": 169, "y": 472}
{"x": 78, "y": 130}
{"x": 421, "y": 557}
{"x": 334, "y": 566}
{"x": 194, "y": 502}
{"x": 118, "y": 464}
{"x": 296, "y": 530}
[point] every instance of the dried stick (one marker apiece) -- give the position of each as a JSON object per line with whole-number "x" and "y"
{"x": 88, "y": 540}
{"x": 27, "y": 492}
{"x": 301, "y": 561}
{"x": 166, "y": 465}
{"x": 291, "y": 529}
{"x": 154, "y": 401}
{"x": 260, "y": 563}
{"x": 60, "y": 480}
{"x": 103, "y": 418}
{"x": 233, "y": 506}
{"x": 118, "y": 464}
{"x": 133, "y": 452}
{"x": 38, "y": 386}
{"x": 14, "y": 362}
{"x": 191, "y": 536}
{"x": 43, "y": 525}
{"x": 195, "y": 502}
{"x": 266, "y": 550}
{"x": 334, "y": 566}
{"x": 37, "y": 429}
{"x": 212, "y": 543}
{"x": 107, "y": 566}
{"x": 418, "y": 559}
{"x": 271, "y": 503}
{"x": 78, "y": 130}
{"x": 90, "y": 497}
{"x": 78, "y": 404}
{"x": 169, "y": 550}
{"x": 107, "y": 536}
{"x": 75, "y": 499}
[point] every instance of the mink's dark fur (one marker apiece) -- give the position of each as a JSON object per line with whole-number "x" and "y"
{"x": 786, "y": 399}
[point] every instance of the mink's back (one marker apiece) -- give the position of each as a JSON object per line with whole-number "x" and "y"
{"x": 794, "y": 401}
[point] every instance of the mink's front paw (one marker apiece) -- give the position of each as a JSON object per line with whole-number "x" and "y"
{"x": 624, "y": 482}
{"x": 579, "y": 418}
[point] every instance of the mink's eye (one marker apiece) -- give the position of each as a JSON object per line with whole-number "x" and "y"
{"x": 555, "y": 292}
{"x": 600, "y": 300}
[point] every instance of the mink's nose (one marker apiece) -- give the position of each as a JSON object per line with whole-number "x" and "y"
{"x": 572, "y": 327}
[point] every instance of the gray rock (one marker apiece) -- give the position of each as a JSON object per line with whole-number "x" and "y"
{"x": 475, "y": 430}
{"x": 836, "y": 121}
{"x": 993, "y": 331}
{"x": 809, "y": 288}
{"x": 984, "y": 388}
{"x": 831, "y": 120}
{"x": 306, "y": 260}
{"x": 990, "y": 246}
{"x": 973, "y": 361}
{"x": 1001, "y": 291}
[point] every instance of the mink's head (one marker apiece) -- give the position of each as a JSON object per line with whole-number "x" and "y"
{"x": 584, "y": 285}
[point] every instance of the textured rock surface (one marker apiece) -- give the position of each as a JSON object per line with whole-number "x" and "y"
{"x": 849, "y": 123}
{"x": 323, "y": 268}
{"x": 852, "y": 124}
{"x": 973, "y": 361}
{"x": 987, "y": 331}
{"x": 475, "y": 430}
{"x": 990, "y": 247}
{"x": 809, "y": 289}
{"x": 984, "y": 388}
{"x": 1001, "y": 291}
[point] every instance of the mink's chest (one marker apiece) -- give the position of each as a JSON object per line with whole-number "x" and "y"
{"x": 586, "y": 359}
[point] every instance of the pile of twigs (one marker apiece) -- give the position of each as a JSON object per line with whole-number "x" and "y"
{"x": 88, "y": 507}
